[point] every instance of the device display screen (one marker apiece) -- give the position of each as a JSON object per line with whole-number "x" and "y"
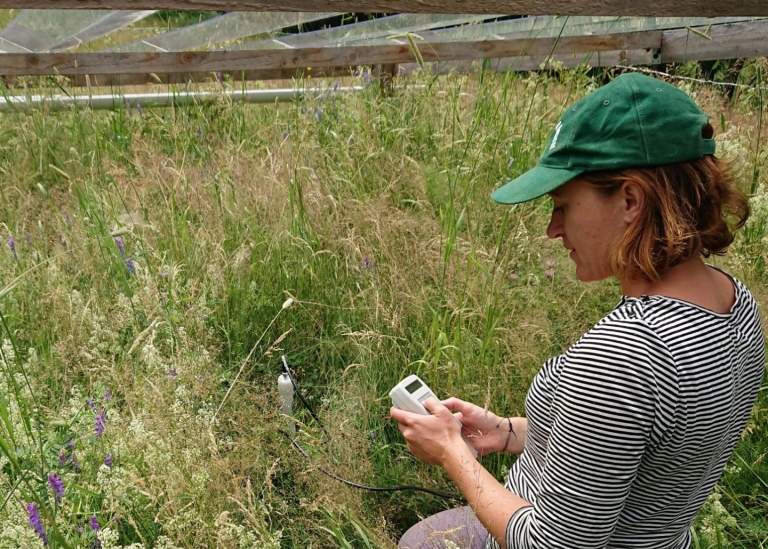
{"x": 413, "y": 386}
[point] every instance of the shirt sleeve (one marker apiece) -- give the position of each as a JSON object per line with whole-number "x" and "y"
{"x": 602, "y": 415}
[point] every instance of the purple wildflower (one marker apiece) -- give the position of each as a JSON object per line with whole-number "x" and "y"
{"x": 138, "y": 109}
{"x": 218, "y": 76}
{"x": 108, "y": 395}
{"x": 549, "y": 273}
{"x": 91, "y": 404}
{"x": 108, "y": 460}
{"x": 131, "y": 268}
{"x": 71, "y": 443}
{"x": 119, "y": 242}
{"x": 12, "y": 246}
{"x": 513, "y": 276}
{"x": 172, "y": 374}
{"x": 94, "y": 522}
{"x": 57, "y": 485}
{"x": 319, "y": 114}
{"x": 62, "y": 459}
{"x": 36, "y": 522}
{"x": 100, "y": 423}
{"x": 336, "y": 85}
{"x": 551, "y": 263}
{"x": 75, "y": 464}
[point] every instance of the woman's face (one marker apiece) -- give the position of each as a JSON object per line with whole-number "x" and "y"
{"x": 590, "y": 224}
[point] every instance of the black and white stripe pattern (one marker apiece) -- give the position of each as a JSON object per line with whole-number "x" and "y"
{"x": 630, "y": 429}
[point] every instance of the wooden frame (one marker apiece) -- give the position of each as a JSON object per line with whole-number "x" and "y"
{"x": 19, "y": 64}
{"x": 679, "y": 8}
{"x": 728, "y": 40}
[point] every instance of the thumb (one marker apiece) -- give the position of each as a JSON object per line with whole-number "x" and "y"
{"x": 433, "y": 405}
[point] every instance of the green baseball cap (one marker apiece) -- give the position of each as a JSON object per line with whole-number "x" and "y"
{"x": 634, "y": 121}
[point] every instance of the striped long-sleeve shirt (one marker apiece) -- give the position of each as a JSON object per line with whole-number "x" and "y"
{"x": 630, "y": 429}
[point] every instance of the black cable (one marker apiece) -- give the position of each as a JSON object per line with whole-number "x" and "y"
{"x": 301, "y": 397}
{"x": 336, "y": 477}
{"x": 373, "y": 488}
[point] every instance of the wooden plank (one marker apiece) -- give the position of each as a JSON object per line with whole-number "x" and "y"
{"x": 17, "y": 64}
{"x": 726, "y": 41}
{"x": 112, "y": 80}
{"x": 680, "y": 8}
{"x": 519, "y": 64}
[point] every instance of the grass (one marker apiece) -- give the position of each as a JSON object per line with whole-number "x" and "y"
{"x": 371, "y": 211}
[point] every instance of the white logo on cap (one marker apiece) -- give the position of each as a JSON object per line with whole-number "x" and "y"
{"x": 557, "y": 132}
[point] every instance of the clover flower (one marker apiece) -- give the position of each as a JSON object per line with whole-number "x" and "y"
{"x": 36, "y": 522}
{"x": 100, "y": 423}
{"x": 57, "y": 485}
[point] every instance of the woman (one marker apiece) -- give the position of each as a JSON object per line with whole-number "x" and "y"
{"x": 628, "y": 431}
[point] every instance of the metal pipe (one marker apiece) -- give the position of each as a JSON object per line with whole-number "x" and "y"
{"x": 64, "y": 102}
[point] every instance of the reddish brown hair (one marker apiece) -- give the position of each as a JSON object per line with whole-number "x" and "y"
{"x": 691, "y": 208}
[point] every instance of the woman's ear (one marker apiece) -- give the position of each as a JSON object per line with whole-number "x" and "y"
{"x": 633, "y": 199}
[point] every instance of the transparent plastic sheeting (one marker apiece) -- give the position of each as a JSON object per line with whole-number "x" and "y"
{"x": 53, "y": 30}
{"x": 221, "y": 29}
{"x": 375, "y": 28}
{"x": 552, "y": 26}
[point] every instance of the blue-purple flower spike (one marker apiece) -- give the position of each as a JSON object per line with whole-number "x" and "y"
{"x": 12, "y": 246}
{"x": 57, "y": 485}
{"x": 36, "y": 522}
{"x": 94, "y": 522}
{"x": 130, "y": 266}
{"x": 100, "y": 423}
{"x": 119, "y": 242}
{"x": 108, "y": 460}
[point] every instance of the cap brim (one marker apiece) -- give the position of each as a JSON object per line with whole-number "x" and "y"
{"x": 533, "y": 184}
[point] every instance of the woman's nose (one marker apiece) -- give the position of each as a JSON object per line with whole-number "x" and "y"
{"x": 555, "y": 227}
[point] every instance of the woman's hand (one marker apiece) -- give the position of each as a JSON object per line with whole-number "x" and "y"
{"x": 430, "y": 438}
{"x": 486, "y": 431}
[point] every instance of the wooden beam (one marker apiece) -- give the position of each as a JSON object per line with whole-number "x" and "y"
{"x": 679, "y": 8}
{"x": 726, "y": 41}
{"x": 17, "y": 64}
{"x": 567, "y": 60}
{"x": 122, "y": 80}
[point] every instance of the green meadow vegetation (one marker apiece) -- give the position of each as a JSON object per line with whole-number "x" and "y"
{"x": 156, "y": 264}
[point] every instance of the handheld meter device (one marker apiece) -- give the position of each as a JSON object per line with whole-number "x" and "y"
{"x": 409, "y": 395}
